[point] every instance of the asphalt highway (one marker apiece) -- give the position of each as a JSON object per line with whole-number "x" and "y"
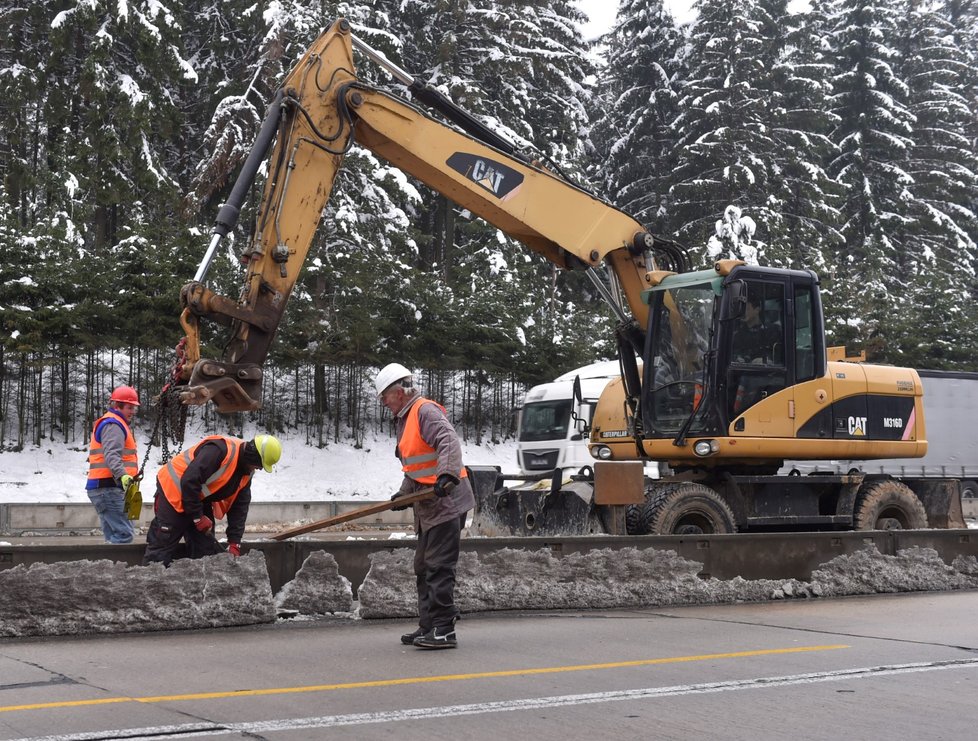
{"x": 889, "y": 666}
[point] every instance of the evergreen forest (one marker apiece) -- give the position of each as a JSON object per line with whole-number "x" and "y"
{"x": 845, "y": 136}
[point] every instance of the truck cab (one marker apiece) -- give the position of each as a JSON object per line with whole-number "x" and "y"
{"x": 552, "y": 424}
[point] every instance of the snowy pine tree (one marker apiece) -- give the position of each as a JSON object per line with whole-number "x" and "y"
{"x": 802, "y": 215}
{"x": 724, "y": 137}
{"x": 633, "y": 141}
{"x": 874, "y": 136}
{"x": 938, "y": 263}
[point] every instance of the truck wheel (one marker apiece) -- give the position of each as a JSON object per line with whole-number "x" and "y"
{"x": 688, "y": 509}
{"x": 889, "y": 505}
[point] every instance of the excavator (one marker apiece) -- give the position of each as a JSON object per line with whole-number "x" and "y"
{"x": 725, "y": 372}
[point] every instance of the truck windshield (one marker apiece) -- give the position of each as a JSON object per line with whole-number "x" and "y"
{"x": 545, "y": 420}
{"x": 680, "y": 339}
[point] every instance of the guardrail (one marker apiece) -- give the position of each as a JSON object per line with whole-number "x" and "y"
{"x": 763, "y": 556}
{"x": 80, "y": 518}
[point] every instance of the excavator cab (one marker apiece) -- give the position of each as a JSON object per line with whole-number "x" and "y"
{"x": 678, "y": 341}
{"x": 720, "y": 341}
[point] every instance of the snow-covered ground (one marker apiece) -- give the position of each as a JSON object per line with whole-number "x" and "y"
{"x": 56, "y": 473}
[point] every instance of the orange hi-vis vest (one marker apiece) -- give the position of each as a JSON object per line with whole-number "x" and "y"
{"x": 169, "y": 477}
{"x": 97, "y": 467}
{"x": 419, "y": 461}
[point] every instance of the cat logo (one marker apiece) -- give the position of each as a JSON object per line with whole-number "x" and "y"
{"x": 495, "y": 177}
{"x": 484, "y": 174}
{"x": 857, "y": 426}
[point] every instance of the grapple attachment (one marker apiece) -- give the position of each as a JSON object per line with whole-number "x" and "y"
{"x": 233, "y": 387}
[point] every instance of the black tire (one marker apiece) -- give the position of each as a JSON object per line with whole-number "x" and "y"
{"x": 889, "y": 505}
{"x": 634, "y": 522}
{"x": 633, "y": 519}
{"x": 688, "y": 509}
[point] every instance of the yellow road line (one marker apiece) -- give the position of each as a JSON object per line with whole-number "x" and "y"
{"x": 418, "y": 680}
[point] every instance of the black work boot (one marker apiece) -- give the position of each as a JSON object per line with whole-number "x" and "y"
{"x": 408, "y": 638}
{"x": 438, "y": 637}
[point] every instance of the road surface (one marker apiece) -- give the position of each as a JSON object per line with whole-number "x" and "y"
{"x": 889, "y": 666}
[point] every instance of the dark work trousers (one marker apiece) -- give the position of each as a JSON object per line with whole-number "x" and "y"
{"x": 169, "y": 527}
{"x": 434, "y": 567}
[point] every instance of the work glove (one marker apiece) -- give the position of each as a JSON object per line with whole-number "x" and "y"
{"x": 445, "y": 485}
{"x": 132, "y": 499}
{"x": 203, "y": 524}
{"x": 401, "y": 507}
{"x": 234, "y": 549}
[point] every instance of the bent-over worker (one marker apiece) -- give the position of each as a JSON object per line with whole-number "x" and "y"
{"x": 202, "y": 484}
{"x": 431, "y": 456}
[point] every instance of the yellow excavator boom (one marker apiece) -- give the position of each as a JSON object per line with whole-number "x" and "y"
{"x": 321, "y": 110}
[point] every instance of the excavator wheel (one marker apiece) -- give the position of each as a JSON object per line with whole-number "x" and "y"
{"x": 889, "y": 505}
{"x": 633, "y": 519}
{"x": 687, "y": 509}
{"x": 635, "y": 523}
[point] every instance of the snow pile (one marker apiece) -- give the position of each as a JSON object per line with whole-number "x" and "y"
{"x": 910, "y": 570}
{"x": 77, "y": 597}
{"x": 537, "y": 580}
{"x": 317, "y": 589}
{"x": 389, "y": 589}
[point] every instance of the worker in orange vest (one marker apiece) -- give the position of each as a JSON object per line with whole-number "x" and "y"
{"x": 431, "y": 456}
{"x": 112, "y": 464}
{"x": 202, "y": 484}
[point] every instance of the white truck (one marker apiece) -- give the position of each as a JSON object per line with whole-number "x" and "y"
{"x": 551, "y": 424}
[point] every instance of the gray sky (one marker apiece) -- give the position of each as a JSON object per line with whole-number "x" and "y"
{"x": 602, "y": 13}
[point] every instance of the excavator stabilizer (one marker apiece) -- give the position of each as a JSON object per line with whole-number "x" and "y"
{"x": 544, "y": 508}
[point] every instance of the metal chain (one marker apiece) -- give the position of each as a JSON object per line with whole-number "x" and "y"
{"x": 171, "y": 415}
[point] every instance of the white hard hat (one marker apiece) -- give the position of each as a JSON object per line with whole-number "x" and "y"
{"x": 389, "y": 374}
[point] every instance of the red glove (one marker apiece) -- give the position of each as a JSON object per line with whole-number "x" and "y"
{"x": 203, "y": 523}
{"x": 234, "y": 549}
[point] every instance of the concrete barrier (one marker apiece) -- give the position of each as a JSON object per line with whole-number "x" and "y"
{"x": 764, "y": 556}
{"x": 80, "y": 517}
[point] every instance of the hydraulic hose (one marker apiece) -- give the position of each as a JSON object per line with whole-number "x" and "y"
{"x": 227, "y": 216}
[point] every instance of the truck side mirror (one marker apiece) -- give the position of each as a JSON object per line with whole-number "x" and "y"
{"x": 736, "y": 304}
{"x": 579, "y": 422}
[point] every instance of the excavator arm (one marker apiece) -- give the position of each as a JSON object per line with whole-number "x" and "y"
{"x": 321, "y": 110}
